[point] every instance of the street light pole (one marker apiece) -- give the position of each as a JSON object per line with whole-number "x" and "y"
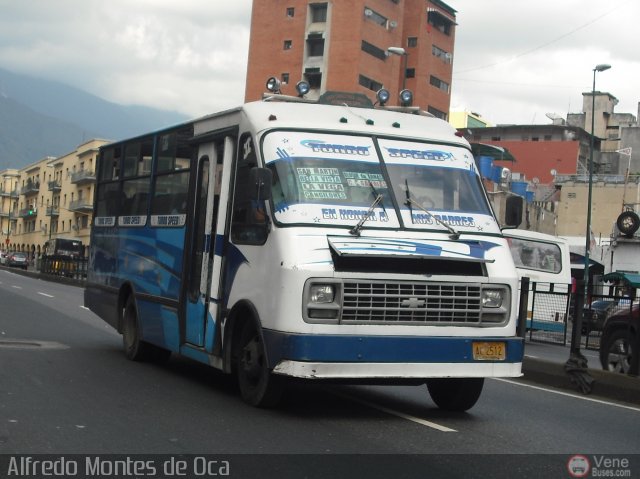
{"x": 598, "y": 68}
{"x": 403, "y": 53}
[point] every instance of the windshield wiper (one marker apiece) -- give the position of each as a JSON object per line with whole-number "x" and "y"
{"x": 356, "y": 229}
{"x": 410, "y": 201}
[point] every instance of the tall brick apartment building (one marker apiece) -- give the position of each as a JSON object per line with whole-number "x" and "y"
{"x": 343, "y": 45}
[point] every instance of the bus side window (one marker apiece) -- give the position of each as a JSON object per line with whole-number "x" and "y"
{"x": 248, "y": 225}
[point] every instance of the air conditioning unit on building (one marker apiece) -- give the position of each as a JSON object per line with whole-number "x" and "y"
{"x": 393, "y": 24}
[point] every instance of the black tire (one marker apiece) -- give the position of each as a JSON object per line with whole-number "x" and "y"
{"x": 134, "y": 348}
{"x": 259, "y": 387}
{"x": 628, "y": 223}
{"x": 616, "y": 351}
{"x": 455, "y": 394}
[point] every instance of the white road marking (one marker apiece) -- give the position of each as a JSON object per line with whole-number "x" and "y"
{"x": 45, "y": 294}
{"x": 393, "y": 412}
{"x": 84, "y": 307}
{"x": 562, "y": 393}
{"x": 17, "y": 287}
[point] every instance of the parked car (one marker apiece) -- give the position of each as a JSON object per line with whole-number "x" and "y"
{"x": 596, "y": 314}
{"x": 19, "y": 260}
{"x": 619, "y": 340}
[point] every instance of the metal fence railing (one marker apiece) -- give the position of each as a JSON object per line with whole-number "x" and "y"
{"x": 548, "y": 312}
{"x": 74, "y": 268}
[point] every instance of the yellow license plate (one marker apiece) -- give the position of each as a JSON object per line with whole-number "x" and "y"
{"x": 490, "y": 351}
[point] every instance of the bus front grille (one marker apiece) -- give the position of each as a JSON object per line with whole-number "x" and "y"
{"x": 411, "y": 303}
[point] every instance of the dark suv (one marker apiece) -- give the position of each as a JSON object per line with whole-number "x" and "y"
{"x": 596, "y": 314}
{"x": 619, "y": 340}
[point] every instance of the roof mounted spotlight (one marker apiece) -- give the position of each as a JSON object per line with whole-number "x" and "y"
{"x": 273, "y": 85}
{"x": 406, "y": 98}
{"x": 302, "y": 87}
{"x": 383, "y": 96}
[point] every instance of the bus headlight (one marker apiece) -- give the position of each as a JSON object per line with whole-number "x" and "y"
{"x": 495, "y": 303}
{"x": 321, "y": 301}
{"x": 322, "y": 293}
{"x": 492, "y": 298}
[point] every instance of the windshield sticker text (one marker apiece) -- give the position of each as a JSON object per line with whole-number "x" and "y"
{"x": 435, "y": 155}
{"x": 451, "y": 220}
{"x": 318, "y": 146}
{"x": 352, "y": 214}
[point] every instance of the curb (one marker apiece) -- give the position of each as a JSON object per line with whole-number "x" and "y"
{"x": 608, "y": 385}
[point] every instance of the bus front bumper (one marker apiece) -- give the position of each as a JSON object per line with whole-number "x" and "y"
{"x": 338, "y": 356}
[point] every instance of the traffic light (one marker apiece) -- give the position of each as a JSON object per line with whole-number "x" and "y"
{"x": 32, "y": 210}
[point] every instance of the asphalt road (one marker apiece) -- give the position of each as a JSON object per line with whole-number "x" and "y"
{"x": 66, "y": 388}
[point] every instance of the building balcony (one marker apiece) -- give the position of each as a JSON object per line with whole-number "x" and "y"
{"x": 30, "y": 188}
{"x": 10, "y": 194}
{"x": 54, "y": 186}
{"x": 81, "y": 206}
{"x": 82, "y": 177}
{"x": 27, "y": 213}
{"x": 52, "y": 211}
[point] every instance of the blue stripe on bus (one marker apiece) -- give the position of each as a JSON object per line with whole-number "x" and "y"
{"x": 381, "y": 349}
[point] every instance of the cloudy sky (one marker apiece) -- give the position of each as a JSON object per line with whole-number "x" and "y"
{"x": 514, "y": 61}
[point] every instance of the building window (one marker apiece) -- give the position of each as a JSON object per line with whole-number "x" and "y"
{"x": 318, "y": 12}
{"x": 445, "y": 56}
{"x": 412, "y": 42}
{"x": 535, "y": 138}
{"x": 437, "y": 113}
{"x": 369, "y": 83}
{"x": 375, "y": 17}
{"x": 291, "y": 12}
{"x": 313, "y": 77}
{"x": 495, "y": 138}
{"x": 436, "y": 82}
{"x": 438, "y": 21}
{"x": 287, "y": 45}
{"x": 571, "y": 196}
{"x": 547, "y": 138}
{"x": 410, "y": 73}
{"x": 284, "y": 78}
{"x": 315, "y": 45}
{"x": 373, "y": 50}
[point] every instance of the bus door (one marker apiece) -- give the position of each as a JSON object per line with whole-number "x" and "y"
{"x": 199, "y": 273}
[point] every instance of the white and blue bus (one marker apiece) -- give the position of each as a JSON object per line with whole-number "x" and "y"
{"x": 289, "y": 238}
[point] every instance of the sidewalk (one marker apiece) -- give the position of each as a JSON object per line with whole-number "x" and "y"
{"x": 544, "y": 364}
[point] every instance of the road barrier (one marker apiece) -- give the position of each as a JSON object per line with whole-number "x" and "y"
{"x": 74, "y": 268}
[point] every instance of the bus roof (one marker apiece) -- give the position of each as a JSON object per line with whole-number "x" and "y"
{"x": 338, "y": 119}
{"x": 533, "y": 235}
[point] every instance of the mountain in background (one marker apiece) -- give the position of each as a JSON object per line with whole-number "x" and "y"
{"x": 40, "y": 118}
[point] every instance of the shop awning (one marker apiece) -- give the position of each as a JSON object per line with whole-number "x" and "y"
{"x": 629, "y": 279}
{"x": 494, "y": 151}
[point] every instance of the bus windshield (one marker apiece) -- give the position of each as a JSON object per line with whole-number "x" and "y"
{"x": 334, "y": 179}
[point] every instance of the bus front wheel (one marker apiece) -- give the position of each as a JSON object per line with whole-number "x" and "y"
{"x": 455, "y": 394}
{"x": 258, "y": 386}
{"x": 134, "y": 348}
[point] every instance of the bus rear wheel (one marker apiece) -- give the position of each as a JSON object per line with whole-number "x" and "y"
{"x": 258, "y": 386}
{"x": 134, "y": 348}
{"x": 455, "y": 394}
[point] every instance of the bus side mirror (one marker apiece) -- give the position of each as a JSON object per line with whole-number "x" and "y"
{"x": 513, "y": 211}
{"x": 260, "y": 183}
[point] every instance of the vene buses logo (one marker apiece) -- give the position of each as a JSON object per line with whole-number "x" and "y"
{"x": 578, "y": 466}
